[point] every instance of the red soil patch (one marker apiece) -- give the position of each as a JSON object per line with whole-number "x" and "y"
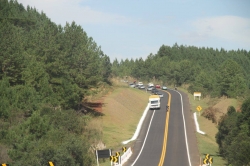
{"x": 95, "y": 105}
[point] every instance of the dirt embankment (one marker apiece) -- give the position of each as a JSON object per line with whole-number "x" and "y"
{"x": 219, "y": 108}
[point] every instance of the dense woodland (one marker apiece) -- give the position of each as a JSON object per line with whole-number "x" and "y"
{"x": 47, "y": 70}
{"x": 213, "y": 72}
{"x": 233, "y": 136}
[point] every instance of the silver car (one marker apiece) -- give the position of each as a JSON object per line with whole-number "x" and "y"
{"x": 132, "y": 85}
{"x": 150, "y": 88}
{"x": 142, "y": 87}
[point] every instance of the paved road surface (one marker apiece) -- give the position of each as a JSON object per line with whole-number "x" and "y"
{"x": 147, "y": 152}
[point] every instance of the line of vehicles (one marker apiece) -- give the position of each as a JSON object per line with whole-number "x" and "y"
{"x": 156, "y": 95}
{"x": 150, "y": 86}
{"x": 139, "y": 85}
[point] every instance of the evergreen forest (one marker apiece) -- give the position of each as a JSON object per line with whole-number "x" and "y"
{"x": 47, "y": 70}
{"x": 211, "y": 71}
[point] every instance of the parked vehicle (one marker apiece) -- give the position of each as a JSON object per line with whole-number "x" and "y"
{"x": 154, "y": 102}
{"x": 142, "y": 87}
{"x": 164, "y": 88}
{"x": 150, "y": 84}
{"x": 150, "y": 88}
{"x": 157, "y": 86}
{"x": 132, "y": 85}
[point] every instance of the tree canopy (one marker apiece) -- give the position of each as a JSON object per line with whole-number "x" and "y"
{"x": 213, "y": 72}
{"x": 46, "y": 70}
{"x": 234, "y": 134}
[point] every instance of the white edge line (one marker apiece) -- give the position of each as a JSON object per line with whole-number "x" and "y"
{"x": 184, "y": 123}
{"x": 138, "y": 126}
{"x": 144, "y": 139}
{"x": 197, "y": 125}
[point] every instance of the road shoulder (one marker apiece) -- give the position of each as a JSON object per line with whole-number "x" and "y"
{"x": 191, "y": 131}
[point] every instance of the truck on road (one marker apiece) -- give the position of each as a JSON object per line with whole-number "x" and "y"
{"x": 154, "y": 102}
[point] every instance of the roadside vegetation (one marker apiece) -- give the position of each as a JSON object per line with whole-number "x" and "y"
{"x": 46, "y": 74}
{"x": 122, "y": 111}
{"x": 215, "y": 73}
{"x": 220, "y": 119}
{"x": 50, "y": 75}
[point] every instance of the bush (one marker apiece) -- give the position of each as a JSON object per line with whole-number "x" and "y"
{"x": 210, "y": 113}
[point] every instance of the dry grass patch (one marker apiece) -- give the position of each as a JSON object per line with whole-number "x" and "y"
{"x": 122, "y": 110}
{"x": 223, "y": 104}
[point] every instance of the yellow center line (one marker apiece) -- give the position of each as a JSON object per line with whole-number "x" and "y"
{"x": 165, "y": 133}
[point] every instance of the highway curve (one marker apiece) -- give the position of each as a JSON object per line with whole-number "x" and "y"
{"x": 163, "y": 140}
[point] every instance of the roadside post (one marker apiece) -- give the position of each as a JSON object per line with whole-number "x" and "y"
{"x": 51, "y": 163}
{"x": 124, "y": 149}
{"x": 106, "y": 153}
{"x": 4, "y": 164}
{"x": 208, "y": 160}
{"x": 114, "y": 159}
{"x": 197, "y": 94}
{"x": 198, "y": 108}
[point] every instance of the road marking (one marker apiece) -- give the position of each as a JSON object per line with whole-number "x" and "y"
{"x": 165, "y": 133}
{"x": 184, "y": 123}
{"x": 144, "y": 139}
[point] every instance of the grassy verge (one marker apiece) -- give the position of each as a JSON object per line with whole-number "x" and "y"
{"x": 122, "y": 110}
{"x": 207, "y": 143}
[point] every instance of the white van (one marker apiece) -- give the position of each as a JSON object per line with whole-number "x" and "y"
{"x": 154, "y": 102}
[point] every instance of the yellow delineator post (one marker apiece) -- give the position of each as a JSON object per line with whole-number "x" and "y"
{"x": 208, "y": 160}
{"x": 117, "y": 154}
{"x": 124, "y": 149}
{"x": 111, "y": 160}
{"x": 198, "y": 108}
{"x": 51, "y": 163}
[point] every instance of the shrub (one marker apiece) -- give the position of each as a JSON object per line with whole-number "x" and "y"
{"x": 210, "y": 113}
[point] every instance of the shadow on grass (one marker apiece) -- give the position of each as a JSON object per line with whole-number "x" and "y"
{"x": 92, "y": 108}
{"x": 217, "y": 154}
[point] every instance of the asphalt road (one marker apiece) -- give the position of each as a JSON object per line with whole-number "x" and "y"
{"x": 176, "y": 127}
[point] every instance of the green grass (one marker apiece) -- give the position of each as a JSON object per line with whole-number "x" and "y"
{"x": 206, "y": 143}
{"x": 123, "y": 110}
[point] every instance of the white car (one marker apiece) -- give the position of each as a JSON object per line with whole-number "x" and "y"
{"x": 150, "y": 88}
{"x": 150, "y": 84}
{"x": 140, "y": 83}
{"x": 131, "y": 85}
{"x": 164, "y": 88}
